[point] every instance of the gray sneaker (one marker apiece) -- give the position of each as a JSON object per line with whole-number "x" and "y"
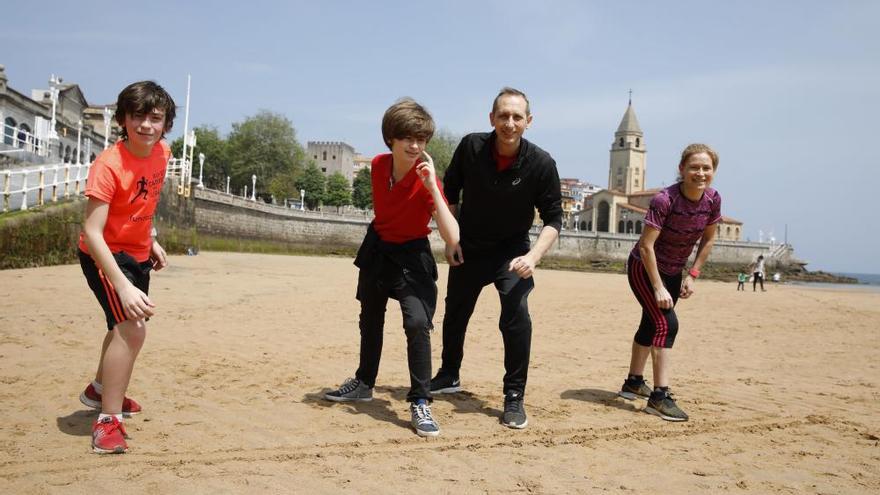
{"x": 665, "y": 407}
{"x": 422, "y": 420}
{"x": 353, "y": 390}
{"x": 633, "y": 390}
{"x": 514, "y": 413}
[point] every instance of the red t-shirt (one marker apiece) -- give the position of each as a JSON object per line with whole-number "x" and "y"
{"x": 131, "y": 186}
{"x": 403, "y": 209}
{"x": 502, "y": 163}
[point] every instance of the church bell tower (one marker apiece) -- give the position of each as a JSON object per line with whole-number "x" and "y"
{"x": 626, "y": 173}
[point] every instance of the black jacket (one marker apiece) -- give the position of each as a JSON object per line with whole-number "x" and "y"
{"x": 414, "y": 259}
{"x": 497, "y": 208}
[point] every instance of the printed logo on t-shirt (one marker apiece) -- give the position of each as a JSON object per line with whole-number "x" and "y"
{"x": 142, "y": 189}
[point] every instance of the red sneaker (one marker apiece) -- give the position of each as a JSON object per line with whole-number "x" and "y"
{"x": 92, "y": 399}
{"x": 108, "y": 436}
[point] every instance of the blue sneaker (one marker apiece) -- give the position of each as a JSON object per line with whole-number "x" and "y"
{"x": 422, "y": 420}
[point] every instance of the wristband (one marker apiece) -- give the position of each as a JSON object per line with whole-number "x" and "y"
{"x": 693, "y": 272}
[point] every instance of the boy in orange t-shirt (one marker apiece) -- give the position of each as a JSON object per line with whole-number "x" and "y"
{"x": 117, "y": 249}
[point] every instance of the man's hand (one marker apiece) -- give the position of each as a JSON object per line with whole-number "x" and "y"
{"x": 524, "y": 266}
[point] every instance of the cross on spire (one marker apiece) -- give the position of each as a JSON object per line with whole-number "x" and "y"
{"x": 630, "y": 96}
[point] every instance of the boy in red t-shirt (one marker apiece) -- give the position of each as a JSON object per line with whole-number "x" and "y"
{"x": 117, "y": 249}
{"x": 395, "y": 258}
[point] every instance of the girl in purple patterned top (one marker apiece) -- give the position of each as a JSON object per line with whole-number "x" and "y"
{"x": 679, "y": 216}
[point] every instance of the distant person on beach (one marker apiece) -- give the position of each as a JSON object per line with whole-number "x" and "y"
{"x": 741, "y": 281}
{"x": 503, "y": 178}
{"x": 679, "y": 216}
{"x": 758, "y": 274}
{"x": 395, "y": 259}
{"x": 118, "y": 249}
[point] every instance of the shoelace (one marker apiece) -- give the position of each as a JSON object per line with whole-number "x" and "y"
{"x": 512, "y": 405}
{"x": 107, "y": 428}
{"x": 349, "y": 385}
{"x": 423, "y": 415}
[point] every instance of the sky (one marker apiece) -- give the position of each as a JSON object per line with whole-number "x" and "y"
{"x": 788, "y": 92}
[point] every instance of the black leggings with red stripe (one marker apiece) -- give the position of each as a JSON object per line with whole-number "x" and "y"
{"x": 658, "y": 327}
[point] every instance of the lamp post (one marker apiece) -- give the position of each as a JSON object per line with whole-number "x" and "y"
{"x": 253, "y": 187}
{"x": 227, "y": 184}
{"x": 54, "y": 82}
{"x": 302, "y": 199}
{"x": 107, "y": 115}
{"x": 79, "y": 128}
{"x": 201, "y": 166}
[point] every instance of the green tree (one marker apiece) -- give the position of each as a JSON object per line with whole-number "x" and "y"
{"x": 441, "y": 148}
{"x": 338, "y": 191}
{"x": 265, "y": 145}
{"x": 312, "y": 182}
{"x": 217, "y": 166}
{"x": 362, "y": 190}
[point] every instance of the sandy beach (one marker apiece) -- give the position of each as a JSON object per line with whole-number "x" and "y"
{"x": 782, "y": 388}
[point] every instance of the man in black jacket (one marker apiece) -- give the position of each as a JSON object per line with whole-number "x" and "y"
{"x": 498, "y": 179}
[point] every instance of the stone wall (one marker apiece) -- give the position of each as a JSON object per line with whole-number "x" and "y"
{"x": 230, "y": 216}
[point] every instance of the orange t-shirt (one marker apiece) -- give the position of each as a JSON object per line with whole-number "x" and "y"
{"x": 131, "y": 186}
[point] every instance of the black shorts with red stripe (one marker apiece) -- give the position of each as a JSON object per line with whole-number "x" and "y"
{"x": 658, "y": 327}
{"x": 138, "y": 273}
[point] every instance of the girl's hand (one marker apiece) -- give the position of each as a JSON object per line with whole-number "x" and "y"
{"x": 664, "y": 300}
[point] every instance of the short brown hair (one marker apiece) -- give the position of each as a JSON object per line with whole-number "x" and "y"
{"x": 144, "y": 97}
{"x": 406, "y": 118}
{"x": 695, "y": 148}
{"x": 507, "y": 90}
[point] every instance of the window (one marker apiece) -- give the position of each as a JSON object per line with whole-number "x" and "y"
{"x": 324, "y": 169}
{"x": 9, "y": 130}
{"x": 325, "y": 156}
{"x": 316, "y": 157}
{"x": 637, "y": 182}
{"x": 638, "y": 142}
{"x": 334, "y": 157}
{"x": 621, "y": 142}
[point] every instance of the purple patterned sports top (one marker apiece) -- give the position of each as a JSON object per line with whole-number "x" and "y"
{"x": 681, "y": 223}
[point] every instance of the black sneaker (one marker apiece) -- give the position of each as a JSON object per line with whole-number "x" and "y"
{"x": 353, "y": 390}
{"x": 635, "y": 389}
{"x": 514, "y": 413}
{"x": 445, "y": 384}
{"x": 662, "y": 404}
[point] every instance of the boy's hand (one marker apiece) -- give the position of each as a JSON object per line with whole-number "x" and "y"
{"x": 158, "y": 256}
{"x": 425, "y": 171}
{"x": 453, "y": 254}
{"x": 135, "y": 303}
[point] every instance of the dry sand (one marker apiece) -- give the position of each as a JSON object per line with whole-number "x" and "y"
{"x": 782, "y": 389}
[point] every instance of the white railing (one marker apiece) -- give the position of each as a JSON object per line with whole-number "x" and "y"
{"x": 34, "y": 186}
{"x": 22, "y": 140}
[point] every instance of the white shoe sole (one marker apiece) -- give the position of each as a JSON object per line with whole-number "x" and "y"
{"x": 333, "y": 398}
{"x": 447, "y": 390}
{"x": 630, "y": 395}
{"x": 427, "y": 434}
{"x": 655, "y": 412}
{"x": 516, "y": 426}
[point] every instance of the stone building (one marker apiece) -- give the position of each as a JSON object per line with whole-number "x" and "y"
{"x": 333, "y": 156}
{"x": 26, "y": 122}
{"x": 621, "y": 208}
